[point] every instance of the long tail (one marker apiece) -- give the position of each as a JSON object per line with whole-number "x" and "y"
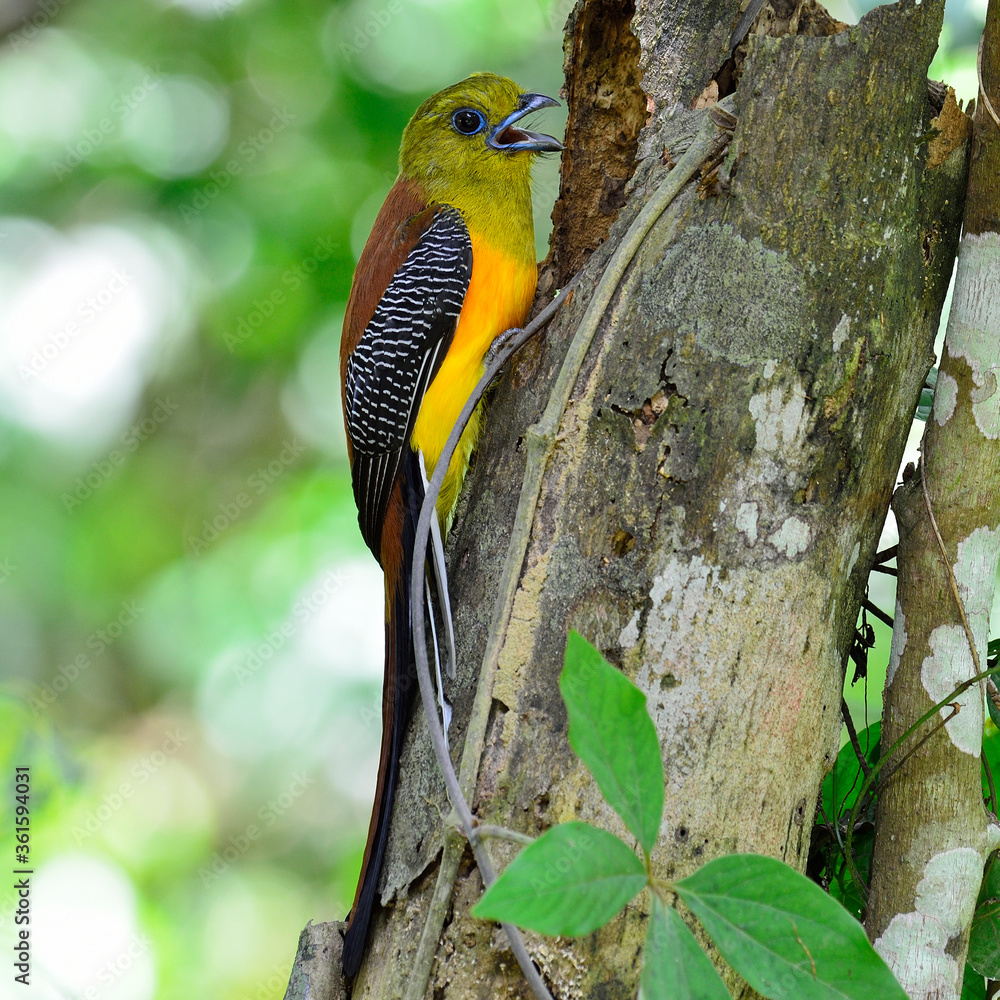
{"x": 398, "y": 689}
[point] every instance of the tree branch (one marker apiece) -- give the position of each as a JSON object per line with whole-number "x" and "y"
{"x": 930, "y": 815}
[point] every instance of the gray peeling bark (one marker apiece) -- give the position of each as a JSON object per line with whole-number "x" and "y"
{"x": 722, "y": 471}
{"x": 933, "y": 834}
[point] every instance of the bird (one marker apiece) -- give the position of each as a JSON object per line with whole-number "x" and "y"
{"x": 448, "y": 271}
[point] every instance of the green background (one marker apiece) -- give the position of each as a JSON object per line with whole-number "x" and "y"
{"x": 190, "y": 637}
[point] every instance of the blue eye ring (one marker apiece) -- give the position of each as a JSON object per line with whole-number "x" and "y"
{"x": 468, "y": 121}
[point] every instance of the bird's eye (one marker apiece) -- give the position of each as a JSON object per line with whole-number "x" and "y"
{"x": 467, "y": 121}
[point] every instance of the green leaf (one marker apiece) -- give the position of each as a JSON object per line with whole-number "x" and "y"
{"x": 783, "y": 934}
{"x": 842, "y": 886}
{"x": 994, "y": 712}
{"x": 991, "y": 878}
{"x": 571, "y": 881}
{"x": 984, "y": 939}
{"x": 973, "y": 985}
{"x": 842, "y": 784}
{"x": 926, "y": 404}
{"x": 674, "y": 967}
{"x": 991, "y": 756}
{"x": 612, "y": 733}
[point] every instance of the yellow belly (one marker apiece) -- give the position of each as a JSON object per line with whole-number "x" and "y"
{"x": 500, "y": 292}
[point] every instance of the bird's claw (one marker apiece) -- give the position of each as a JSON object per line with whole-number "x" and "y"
{"x": 499, "y": 344}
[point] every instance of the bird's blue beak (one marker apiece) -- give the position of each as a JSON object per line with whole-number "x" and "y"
{"x": 516, "y": 140}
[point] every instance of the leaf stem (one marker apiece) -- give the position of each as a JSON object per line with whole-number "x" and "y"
{"x": 853, "y": 735}
{"x": 992, "y": 786}
{"x": 486, "y": 831}
{"x": 883, "y": 759}
{"x": 662, "y": 888}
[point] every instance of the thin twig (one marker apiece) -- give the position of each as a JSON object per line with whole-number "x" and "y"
{"x": 833, "y": 827}
{"x": 897, "y": 764}
{"x": 865, "y": 767}
{"x": 884, "y": 757}
{"x": 958, "y": 598}
{"x": 888, "y": 570}
{"x": 746, "y": 20}
{"x": 886, "y": 554}
{"x": 964, "y": 686}
{"x": 877, "y": 612}
{"x": 982, "y": 87}
{"x": 454, "y": 842}
{"x": 540, "y": 443}
{"x": 490, "y": 832}
{"x": 853, "y": 734}
{"x": 427, "y": 511}
{"x": 948, "y": 569}
{"x": 979, "y": 675}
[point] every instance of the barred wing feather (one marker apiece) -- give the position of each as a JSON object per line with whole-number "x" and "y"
{"x": 398, "y": 356}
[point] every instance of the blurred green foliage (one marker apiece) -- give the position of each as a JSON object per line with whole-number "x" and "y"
{"x": 191, "y": 638}
{"x": 191, "y": 656}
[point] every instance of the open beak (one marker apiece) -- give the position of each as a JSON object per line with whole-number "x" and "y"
{"x": 516, "y": 140}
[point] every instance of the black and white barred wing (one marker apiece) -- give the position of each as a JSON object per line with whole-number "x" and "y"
{"x": 396, "y": 358}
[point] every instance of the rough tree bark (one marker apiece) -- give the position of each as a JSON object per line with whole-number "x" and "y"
{"x": 932, "y": 833}
{"x": 723, "y": 467}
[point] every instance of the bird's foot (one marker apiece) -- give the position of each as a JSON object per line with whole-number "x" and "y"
{"x": 499, "y": 344}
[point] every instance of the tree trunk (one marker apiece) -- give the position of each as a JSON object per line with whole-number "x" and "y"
{"x": 723, "y": 466}
{"x": 933, "y": 834}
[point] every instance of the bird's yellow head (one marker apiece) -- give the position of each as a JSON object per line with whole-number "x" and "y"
{"x": 464, "y": 141}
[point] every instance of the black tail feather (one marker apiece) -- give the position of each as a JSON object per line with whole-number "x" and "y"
{"x": 397, "y": 701}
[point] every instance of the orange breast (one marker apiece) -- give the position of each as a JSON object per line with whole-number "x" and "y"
{"x": 500, "y": 292}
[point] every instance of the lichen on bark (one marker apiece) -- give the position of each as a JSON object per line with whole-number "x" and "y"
{"x": 933, "y": 834}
